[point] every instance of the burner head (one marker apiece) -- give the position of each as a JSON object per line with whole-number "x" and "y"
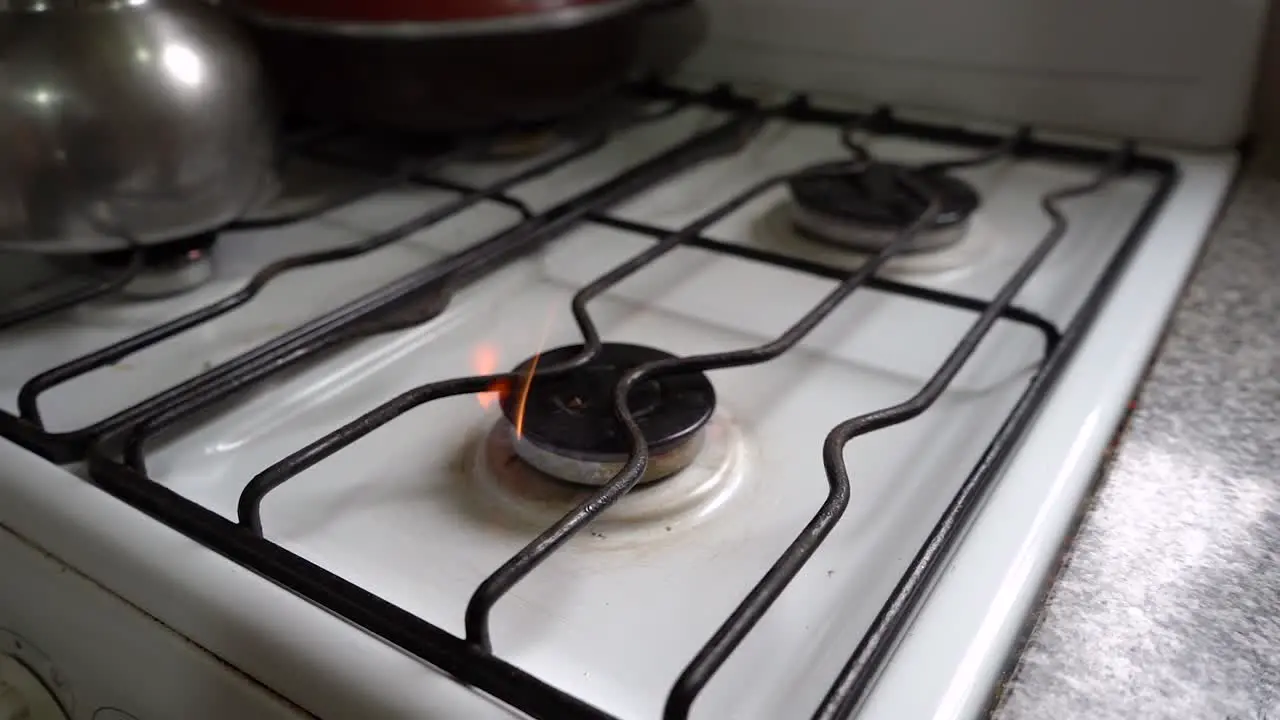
{"x": 867, "y": 209}
{"x": 569, "y": 430}
{"x": 168, "y": 268}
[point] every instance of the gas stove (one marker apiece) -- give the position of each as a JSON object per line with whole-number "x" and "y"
{"x": 732, "y": 404}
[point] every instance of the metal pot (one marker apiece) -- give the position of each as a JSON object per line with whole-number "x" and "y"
{"x": 126, "y": 121}
{"x": 460, "y": 65}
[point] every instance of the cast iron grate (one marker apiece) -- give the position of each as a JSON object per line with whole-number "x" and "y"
{"x": 118, "y": 459}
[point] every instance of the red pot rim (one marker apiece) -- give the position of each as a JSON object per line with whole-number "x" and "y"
{"x": 414, "y": 11}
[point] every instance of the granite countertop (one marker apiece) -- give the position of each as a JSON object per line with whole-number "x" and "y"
{"x": 1168, "y": 605}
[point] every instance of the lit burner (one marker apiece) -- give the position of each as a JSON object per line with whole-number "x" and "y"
{"x": 565, "y": 425}
{"x": 866, "y": 210}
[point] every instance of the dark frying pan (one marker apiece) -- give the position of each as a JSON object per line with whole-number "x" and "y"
{"x": 462, "y": 65}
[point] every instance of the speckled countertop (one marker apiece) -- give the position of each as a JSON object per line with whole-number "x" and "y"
{"x": 1169, "y": 603}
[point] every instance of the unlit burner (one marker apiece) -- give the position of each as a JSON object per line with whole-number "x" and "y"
{"x": 521, "y": 144}
{"x": 168, "y": 268}
{"x": 869, "y": 208}
{"x": 569, "y": 430}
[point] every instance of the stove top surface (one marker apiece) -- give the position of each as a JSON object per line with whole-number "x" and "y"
{"x": 834, "y": 430}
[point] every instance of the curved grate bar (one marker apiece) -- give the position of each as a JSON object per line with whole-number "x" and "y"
{"x": 727, "y": 638}
{"x": 27, "y": 428}
{"x": 859, "y": 673}
{"x": 440, "y": 278}
{"x": 274, "y": 476}
{"x": 29, "y": 395}
{"x": 469, "y": 658}
{"x": 501, "y": 581}
{"x": 249, "y": 508}
{"x": 51, "y": 306}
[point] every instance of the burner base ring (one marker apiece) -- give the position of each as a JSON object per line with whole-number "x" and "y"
{"x": 829, "y": 230}
{"x": 598, "y": 471}
{"x": 154, "y": 283}
{"x": 506, "y": 489}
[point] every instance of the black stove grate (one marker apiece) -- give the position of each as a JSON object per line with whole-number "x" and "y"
{"x": 27, "y": 428}
{"x": 94, "y": 288}
{"x": 117, "y": 451}
{"x": 91, "y": 289}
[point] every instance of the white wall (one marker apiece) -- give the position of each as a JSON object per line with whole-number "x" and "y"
{"x": 1179, "y": 71}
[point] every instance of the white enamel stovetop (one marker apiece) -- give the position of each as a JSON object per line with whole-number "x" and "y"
{"x": 415, "y": 513}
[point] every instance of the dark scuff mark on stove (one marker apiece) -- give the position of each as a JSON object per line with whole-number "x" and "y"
{"x": 412, "y": 311}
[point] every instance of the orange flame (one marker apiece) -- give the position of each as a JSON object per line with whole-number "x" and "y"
{"x": 533, "y": 368}
{"x": 484, "y": 361}
{"x": 524, "y": 392}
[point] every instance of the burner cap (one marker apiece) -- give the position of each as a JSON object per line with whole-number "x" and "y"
{"x": 868, "y": 208}
{"x": 569, "y": 429}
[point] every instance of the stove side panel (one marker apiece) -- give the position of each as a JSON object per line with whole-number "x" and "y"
{"x": 1176, "y": 71}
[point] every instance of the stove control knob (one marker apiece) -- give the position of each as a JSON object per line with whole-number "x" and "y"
{"x": 23, "y": 696}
